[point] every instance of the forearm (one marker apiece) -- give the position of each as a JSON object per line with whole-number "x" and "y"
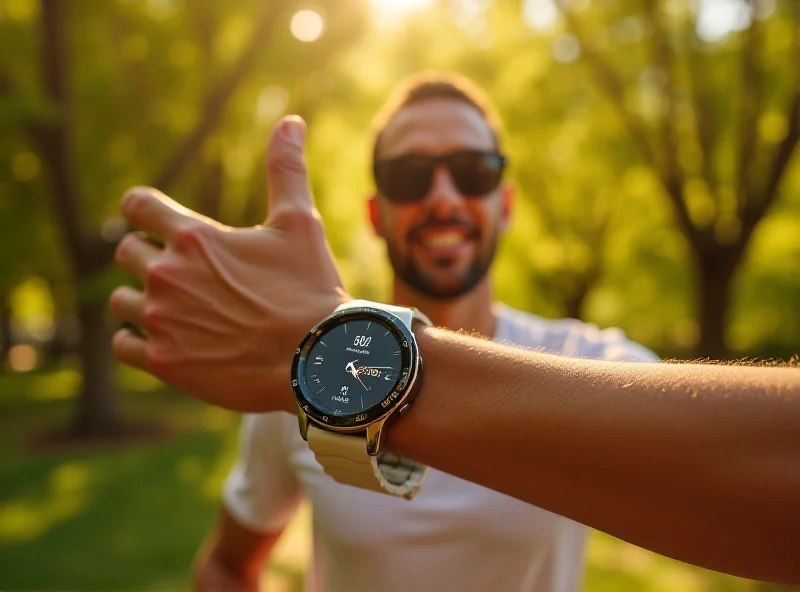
{"x": 700, "y": 463}
{"x": 214, "y": 574}
{"x": 233, "y": 557}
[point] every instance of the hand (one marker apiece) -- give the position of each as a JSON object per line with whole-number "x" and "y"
{"x": 224, "y": 309}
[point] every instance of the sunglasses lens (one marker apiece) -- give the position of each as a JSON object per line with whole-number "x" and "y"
{"x": 405, "y": 179}
{"x": 475, "y": 173}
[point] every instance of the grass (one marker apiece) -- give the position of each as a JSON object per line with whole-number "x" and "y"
{"x": 131, "y": 516}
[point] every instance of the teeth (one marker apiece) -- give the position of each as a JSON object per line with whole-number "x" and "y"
{"x": 443, "y": 239}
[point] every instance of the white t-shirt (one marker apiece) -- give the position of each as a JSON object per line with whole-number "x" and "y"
{"x": 453, "y": 536}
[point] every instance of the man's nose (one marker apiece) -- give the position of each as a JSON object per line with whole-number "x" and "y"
{"x": 443, "y": 196}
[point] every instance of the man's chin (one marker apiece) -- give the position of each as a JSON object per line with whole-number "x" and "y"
{"x": 438, "y": 289}
{"x": 442, "y": 279}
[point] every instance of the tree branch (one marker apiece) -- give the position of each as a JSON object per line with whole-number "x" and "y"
{"x": 783, "y": 155}
{"x": 637, "y": 130}
{"x": 702, "y": 108}
{"x": 759, "y": 203}
{"x": 218, "y": 97}
{"x": 749, "y": 110}
{"x": 662, "y": 56}
{"x": 613, "y": 87}
{"x": 133, "y": 74}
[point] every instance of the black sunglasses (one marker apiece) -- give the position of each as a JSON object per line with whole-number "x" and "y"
{"x": 407, "y": 179}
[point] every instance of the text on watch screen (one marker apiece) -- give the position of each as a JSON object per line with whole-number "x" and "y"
{"x": 352, "y": 367}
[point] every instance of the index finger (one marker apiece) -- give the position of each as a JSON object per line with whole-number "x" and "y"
{"x": 153, "y": 212}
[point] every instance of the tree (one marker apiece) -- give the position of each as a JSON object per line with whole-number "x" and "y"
{"x": 718, "y": 161}
{"x": 72, "y": 86}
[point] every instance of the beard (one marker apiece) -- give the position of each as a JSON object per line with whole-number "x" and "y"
{"x": 409, "y": 271}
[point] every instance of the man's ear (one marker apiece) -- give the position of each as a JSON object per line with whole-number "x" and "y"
{"x": 509, "y": 196}
{"x": 374, "y": 217}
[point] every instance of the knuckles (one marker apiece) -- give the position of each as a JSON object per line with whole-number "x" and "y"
{"x": 191, "y": 237}
{"x": 153, "y": 318}
{"x": 160, "y": 363}
{"x": 281, "y": 161}
{"x": 159, "y": 274}
{"x": 299, "y": 220}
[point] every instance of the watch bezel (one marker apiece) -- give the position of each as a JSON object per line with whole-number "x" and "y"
{"x": 407, "y": 373}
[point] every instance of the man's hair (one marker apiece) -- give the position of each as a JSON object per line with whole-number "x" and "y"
{"x": 432, "y": 85}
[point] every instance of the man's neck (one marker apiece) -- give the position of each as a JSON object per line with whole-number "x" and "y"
{"x": 471, "y": 312}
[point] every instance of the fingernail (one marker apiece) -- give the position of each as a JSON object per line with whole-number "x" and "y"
{"x": 294, "y": 130}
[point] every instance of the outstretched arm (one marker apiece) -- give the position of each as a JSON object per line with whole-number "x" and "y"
{"x": 697, "y": 462}
{"x": 701, "y": 463}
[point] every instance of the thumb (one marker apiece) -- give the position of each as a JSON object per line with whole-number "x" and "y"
{"x": 287, "y": 175}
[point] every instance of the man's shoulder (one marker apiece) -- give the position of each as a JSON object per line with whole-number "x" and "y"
{"x": 569, "y": 337}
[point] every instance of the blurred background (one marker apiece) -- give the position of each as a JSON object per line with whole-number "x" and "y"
{"x": 653, "y": 146}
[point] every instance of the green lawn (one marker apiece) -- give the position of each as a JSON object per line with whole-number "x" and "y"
{"x": 131, "y": 516}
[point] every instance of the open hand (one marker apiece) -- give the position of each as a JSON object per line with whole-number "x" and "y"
{"x": 223, "y": 309}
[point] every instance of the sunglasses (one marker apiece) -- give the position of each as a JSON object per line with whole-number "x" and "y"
{"x": 407, "y": 179}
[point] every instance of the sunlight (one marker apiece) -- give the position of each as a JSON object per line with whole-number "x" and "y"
{"x": 390, "y": 11}
{"x": 22, "y": 358}
{"x": 716, "y": 19}
{"x": 307, "y": 25}
{"x": 27, "y": 518}
{"x": 539, "y": 14}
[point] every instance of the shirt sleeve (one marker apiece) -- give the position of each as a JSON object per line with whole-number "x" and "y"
{"x": 262, "y": 492}
{"x": 624, "y": 350}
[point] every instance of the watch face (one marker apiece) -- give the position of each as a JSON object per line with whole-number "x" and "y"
{"x": 352, "y": 368}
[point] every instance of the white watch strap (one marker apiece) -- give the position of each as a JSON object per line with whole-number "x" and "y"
{"x": 344, "y": 457}
{"x": 407, "y": 315}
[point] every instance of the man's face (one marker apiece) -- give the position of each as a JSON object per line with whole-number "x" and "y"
{"x": 442, "y": 245}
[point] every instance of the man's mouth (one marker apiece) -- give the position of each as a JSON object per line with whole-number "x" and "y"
{"x": 443, "y": 233}
{"x": 442, "y": 239}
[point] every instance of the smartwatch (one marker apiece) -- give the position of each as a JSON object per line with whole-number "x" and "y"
{"x": 353, "y": 372}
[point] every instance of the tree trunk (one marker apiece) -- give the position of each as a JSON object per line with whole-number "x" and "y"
{"x": 6, "y": 337}
{"x": 573, "y": 306}
{"x": 64, "y": 338}
{"x": 717, "y": 270}
{"x": 97, "y": 410}
{"x": 211, "y": 186}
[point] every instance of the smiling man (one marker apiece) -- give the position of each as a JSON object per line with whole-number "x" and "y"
{"x": 441, "y": 205}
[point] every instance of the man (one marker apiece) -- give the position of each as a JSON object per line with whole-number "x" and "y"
{"x": 697, "y": 462}
{"x": 441, "y": 207}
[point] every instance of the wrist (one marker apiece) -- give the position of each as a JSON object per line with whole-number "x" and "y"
{"x": 404, "y": 436}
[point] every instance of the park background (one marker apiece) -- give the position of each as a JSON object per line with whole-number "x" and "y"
{"x": 652, "y": 145}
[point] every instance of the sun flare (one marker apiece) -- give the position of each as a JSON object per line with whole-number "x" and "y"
{"x": 391, "y": 10}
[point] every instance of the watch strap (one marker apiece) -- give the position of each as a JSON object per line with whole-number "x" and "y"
{"x": 344, "y": 457}
{"x": 406, "y": 314}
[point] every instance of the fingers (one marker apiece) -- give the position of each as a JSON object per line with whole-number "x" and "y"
{"x": 130, "y": 349}
{"x": 287, "y": 176}
{"x": 127, "y": 305}
{"x": 153, "y": 212}
{"x": 135, "y": 253}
